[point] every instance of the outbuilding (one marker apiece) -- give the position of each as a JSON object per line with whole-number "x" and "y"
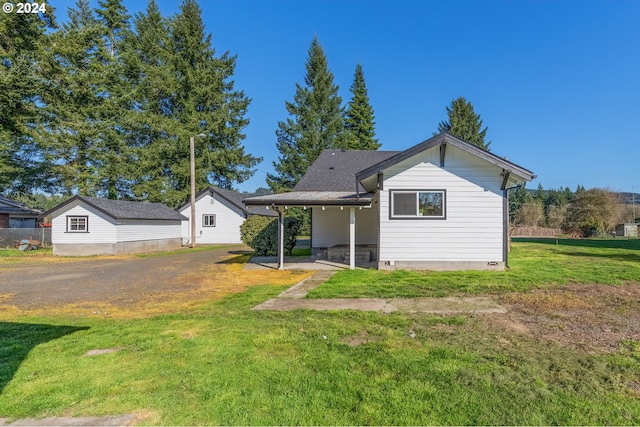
{"x": 95, "y": 226}
{"x": 629, "y": 229}
{"x": 219, "y": 215}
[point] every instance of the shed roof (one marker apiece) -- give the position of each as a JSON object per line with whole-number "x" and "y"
{"x": 125, "y": 209}
{"x": 235, "y": 198}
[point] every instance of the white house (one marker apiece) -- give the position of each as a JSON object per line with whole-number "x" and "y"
{"x": 219, "y": 215}
{"x": 92, "y": 226}
{"x": 439, "y": 205}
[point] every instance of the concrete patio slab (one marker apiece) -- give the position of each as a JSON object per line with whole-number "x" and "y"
{"x": 298, "y": 263}
{"x": 360, "y": 304}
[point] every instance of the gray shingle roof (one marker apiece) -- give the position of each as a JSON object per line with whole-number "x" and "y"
{"x": 8, "y": 206}
{"x": 124, "y": 209}
{"x": 235, "y": 199}
{"x": 335, "y": 170}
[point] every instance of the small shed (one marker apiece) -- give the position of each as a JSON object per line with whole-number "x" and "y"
{"x": 94, "y": 226}
{"x": 628, "y": 229}
{"x": 219, "y": 215}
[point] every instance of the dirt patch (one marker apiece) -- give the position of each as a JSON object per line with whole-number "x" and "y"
{"x": 592, "y": 318}
{"x": 354, "y": 341}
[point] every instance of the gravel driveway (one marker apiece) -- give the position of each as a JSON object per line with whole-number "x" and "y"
{"x": 37, "y": 282}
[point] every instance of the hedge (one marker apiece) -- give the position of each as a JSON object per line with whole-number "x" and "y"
{"x": 261, "y": 234}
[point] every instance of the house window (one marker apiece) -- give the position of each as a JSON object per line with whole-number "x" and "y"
{"x": 77, "y": 224}
{"x": 427, "y": 204}
{"x": 209, "y": 220}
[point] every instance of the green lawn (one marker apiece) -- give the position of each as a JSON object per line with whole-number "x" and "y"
{"x": 533, "y": 263}
{"x": 224, "y": 364}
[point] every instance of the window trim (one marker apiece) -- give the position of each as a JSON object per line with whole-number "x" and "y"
{"x": 204, "y": 223}
{"x": 414, "y": 217}
{"x": 86, "y": 223}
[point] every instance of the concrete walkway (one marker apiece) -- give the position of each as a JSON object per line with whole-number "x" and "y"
{"x": 293, "y": 299}
{"x": 122, "y": 420}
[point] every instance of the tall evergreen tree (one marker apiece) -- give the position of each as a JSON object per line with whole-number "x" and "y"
{"x": 115, "y": 102}
{"x": 314, "y": 123}
{"x": 23, "y": 42}
{"x": 463, "y": 122}
{"x": 359, "y": 119}
{"x": 198, "y": 97}
{"x": 69, "y": 140}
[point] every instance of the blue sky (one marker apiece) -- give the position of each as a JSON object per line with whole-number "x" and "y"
{"x": 556, "y": 82}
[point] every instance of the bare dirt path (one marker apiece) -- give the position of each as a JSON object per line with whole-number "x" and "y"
{"x": 129, "y": 279}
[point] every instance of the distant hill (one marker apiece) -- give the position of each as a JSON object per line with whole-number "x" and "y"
{"x": 628, "y": 198}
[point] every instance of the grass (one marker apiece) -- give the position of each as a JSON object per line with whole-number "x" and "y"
{"x": 15, "y": 253}
{"x": 222, "y": 363}
{"x": 534, "y": 263}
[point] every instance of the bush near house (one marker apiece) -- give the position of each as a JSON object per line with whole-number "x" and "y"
{"x": 261, "y": 234}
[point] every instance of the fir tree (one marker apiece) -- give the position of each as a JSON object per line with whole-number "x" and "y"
{"x": 69, "y": 141}
{"x": 464, "y": 123}
{"x": 23, "y": 43}
{"x": 198, "y": 96}
{"x": 314, "y": 123}
{"x": 113, "y": 153}
{"x": 359, "y": 120}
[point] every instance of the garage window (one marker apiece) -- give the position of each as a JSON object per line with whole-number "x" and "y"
{"x": 77, "y": 224}
{"x": 209, "y": 220}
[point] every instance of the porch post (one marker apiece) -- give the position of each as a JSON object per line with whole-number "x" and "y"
{"x": 352, "y": 238}
{"x": 280, "y": 239}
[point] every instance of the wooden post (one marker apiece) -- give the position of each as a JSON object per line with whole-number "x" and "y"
{"x": 352, "y": 238}
{"x": 280, "y": 239}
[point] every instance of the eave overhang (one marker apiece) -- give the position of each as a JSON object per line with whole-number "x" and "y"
{"x": 442, "y": 140}
{"x": 311, "y": 198}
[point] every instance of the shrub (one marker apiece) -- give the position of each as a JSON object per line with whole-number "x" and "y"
{"x": 261, "y": 234}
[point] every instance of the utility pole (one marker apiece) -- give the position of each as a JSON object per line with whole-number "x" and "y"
{"x": 193, "y": 187}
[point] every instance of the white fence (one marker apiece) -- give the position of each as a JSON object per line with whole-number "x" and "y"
{"x": 9, "y": 236}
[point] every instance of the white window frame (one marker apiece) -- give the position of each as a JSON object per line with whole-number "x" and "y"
{"x": 417, "y": 215}
{"x": 207, "y": 220}
{"x": 78, "y": 228}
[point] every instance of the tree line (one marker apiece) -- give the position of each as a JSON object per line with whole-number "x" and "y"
{"x": 104, "y": 105}
{"x": 592, "y": 212}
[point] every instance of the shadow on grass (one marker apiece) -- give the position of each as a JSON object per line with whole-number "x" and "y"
{"x": 588, "y": 243}
{"x": 18, "y": 339}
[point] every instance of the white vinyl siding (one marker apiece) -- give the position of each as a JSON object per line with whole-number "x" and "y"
{"x": 101, "y": 228}
{"x": 139, "y": 230}
{"x": 228, "y": 219}
{"x": 473, "y": 228}
{"x": 330, "y": 227}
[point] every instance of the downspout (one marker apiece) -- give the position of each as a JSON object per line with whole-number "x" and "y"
{"x": 506, "y": 237}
